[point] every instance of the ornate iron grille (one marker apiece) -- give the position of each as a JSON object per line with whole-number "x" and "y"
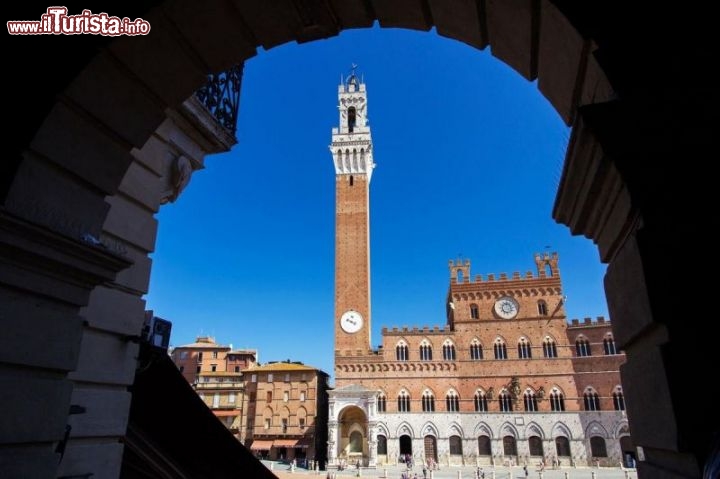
{"x": 221, "y": 96}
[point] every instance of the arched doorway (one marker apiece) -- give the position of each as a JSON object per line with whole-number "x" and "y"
{"x": 494, "y": 26}
{"x": 430, "y": 443}
{"x": 405, "y": 447}
{"x": 509, "y": 446}
{"x": 562, "y": 446}
{"x": 352, "y": 444}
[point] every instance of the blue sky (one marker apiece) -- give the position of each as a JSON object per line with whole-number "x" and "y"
{"x": 468, "y": 154}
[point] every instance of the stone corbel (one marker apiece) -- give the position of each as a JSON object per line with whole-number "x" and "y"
{"x": 181, "y": 171}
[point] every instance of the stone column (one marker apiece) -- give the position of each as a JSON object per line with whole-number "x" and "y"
{"x": 372, "y": 443}
{"x": 333, "y": 435}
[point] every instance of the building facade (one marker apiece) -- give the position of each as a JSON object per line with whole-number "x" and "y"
{"x": 506, "y": 381}
{"x": 215, "y": 372}
{"x": 287, "y": 404}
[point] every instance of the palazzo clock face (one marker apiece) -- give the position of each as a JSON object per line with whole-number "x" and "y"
{"x": 351, "y": 321}
{"x": 506, "y": 308}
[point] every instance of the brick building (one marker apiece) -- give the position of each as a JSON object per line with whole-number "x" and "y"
{"x": 215, "y": 372}
{"x": 507, "y": 379}
{"x": 287, "y": 404}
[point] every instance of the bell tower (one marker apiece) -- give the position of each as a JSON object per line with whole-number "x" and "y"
{"x": 352, "y": 154}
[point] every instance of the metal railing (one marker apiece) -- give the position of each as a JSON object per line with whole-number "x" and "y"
{"x": 221, "y": 96}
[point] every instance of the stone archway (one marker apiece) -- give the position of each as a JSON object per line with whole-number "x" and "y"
{"x": 66, "y": 167}
{"x": 352, "y": 443}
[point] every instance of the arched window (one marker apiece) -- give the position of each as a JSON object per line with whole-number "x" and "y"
{"x": 381, "y": 445}
{"x": 425, "y": 351}
{"x": 428, "y": 401}
{"x": 476, "y": 352}
{"x": 448, "y": 350}
{"x": 524, "y": 351}
{"x": 352, "y": 119}
{"x": 609, "y": 345}
{"x": 542, "y": 308}
{"x": 591, "y": 400}
{"x": 455, "y": 446}
{"x": 382, "y": 403}
{"x": 474, "y": 311}
{"x": 452, "y": 401}
{"x": 557, "y": 400}
{"x": 403, "y": 401}
{"x": 582, "y": 346}
{"x": 549, "y": 347}
{"x": 505, "y": 401}
{"x": 530, "y": 400}
{"x": 536, "y": 447}
{"x": 484, "y": 446}
{"x": 481, "y": 404}
{"x": 618, "y": 399}
{"x": 401, "y": 351}
{"x": 500, "y": 349}
{"x": 597, "y": 447}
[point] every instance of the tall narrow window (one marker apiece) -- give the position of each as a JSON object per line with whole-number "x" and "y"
{"x": 591, "y": 400}
{"x": 500, "y": 349}
{"x": 582, "y": 347}
{"x": 284, "y": 425}
{"x": 286, "y": 396}
{"x": 609, "y": 345}
{"x": 476, "y": 352}
{"x": 474, "y": 311}
{"x": 481, "y": 404}
{"x": 382, "y": 403}
{"x": 530, "y": 400}
{"x": 268, "y": 396}
{"x": 618, "y": 399}
{"x": 448, "y": 350}
{"x": 557, "y": 401}
{"x": 403, "y": 401}
{"x": 549, "y": 347}
{"x": 425, "y": 351}
{"x": 302, "y": 396}
{"x": 428, "y": 401}
{"x": 351, "y": 180}
{"x": 542, "y": 308}
{"x": 452, "y": 401}
{"x": 352, "y": 119}
{"x": 199, "y": 357}
{"x": 524, "y": 351}
{"x": 401, "y": 351}
{"x": 505, "y": 402}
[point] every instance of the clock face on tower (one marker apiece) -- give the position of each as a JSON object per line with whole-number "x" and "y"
{"x": 351, "y": 321}
{"x": 506, "y": 307}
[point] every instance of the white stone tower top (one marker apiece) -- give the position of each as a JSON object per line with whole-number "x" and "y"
{"x": 351, "y": 142}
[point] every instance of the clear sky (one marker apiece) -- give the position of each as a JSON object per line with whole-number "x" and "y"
{"x": 469, "y": 155}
